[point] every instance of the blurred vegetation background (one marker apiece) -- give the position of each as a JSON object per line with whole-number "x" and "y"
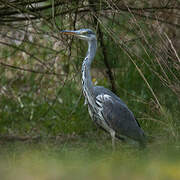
{"x": 137, "y": 58}
{"x": 41, "y": 96}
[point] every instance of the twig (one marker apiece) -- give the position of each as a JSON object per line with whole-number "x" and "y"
{"x": 172, "y": 47}
{"x": 30, "y": 70}
{"x": 18, "y": 138}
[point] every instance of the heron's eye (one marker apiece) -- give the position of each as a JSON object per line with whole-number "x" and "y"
{"x": 86, "y": 33}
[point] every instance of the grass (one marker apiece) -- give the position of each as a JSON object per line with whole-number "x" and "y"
{"x": 88, "y": 157}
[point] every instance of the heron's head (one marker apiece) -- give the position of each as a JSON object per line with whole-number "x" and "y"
{"x": 84, "y": 34}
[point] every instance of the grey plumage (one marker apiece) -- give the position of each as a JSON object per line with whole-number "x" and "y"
{"x": 105, "y": 108}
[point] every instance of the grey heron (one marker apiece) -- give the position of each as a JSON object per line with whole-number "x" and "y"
{"x": 106, "y": 109}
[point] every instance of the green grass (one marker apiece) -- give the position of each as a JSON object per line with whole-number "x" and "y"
{"x": 88, "y": 157}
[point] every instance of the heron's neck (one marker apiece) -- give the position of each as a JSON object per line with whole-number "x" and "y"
{"x": 86, "y": 66}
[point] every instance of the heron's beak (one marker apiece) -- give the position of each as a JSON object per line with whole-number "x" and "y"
{"x": 69, "y": 32}
{"x": 74, "y": 33}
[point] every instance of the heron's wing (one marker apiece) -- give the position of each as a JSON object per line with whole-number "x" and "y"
{"x": 117, "y": 115}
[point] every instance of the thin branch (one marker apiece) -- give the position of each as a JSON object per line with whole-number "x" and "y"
{"x": 172, "y": 47}
{"x": 23, "y": 50}
{"x": 29, "y": 70}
